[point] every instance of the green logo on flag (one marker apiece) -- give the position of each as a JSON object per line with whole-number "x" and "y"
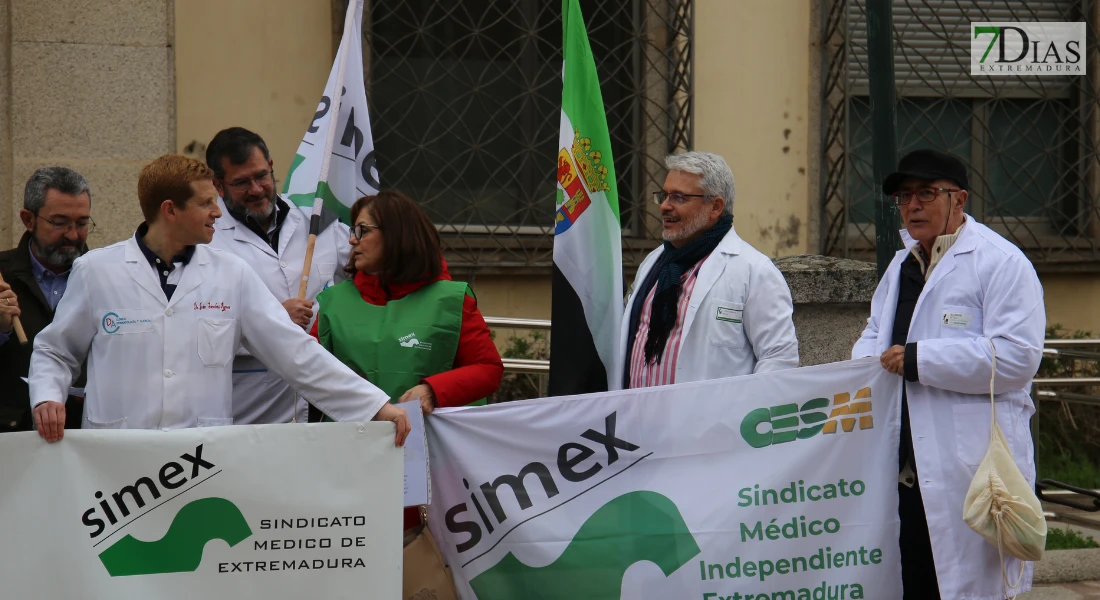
{"x": 637, "y": 526}
{"x": 180, "y": 550}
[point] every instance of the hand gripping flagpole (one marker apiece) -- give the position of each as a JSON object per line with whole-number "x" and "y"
{"x": 334, "y": 114}
{"x": 17, "y": 324}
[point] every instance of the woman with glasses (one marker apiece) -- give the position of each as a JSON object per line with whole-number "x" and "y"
{"x": 400, "y": 321}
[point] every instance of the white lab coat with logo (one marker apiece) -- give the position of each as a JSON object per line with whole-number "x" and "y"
{"x": 983, "y": 287}
{"x": 757, "y": 334}
{"x": 155, "y": 363}
{"x": 260, "y": 396}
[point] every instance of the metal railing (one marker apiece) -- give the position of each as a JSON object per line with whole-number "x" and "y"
{"x": 1056, "y": 492}
{"x": 1074, "y": 350}
{"x": 1051, "y": 349}
{"x": 522, "y": 365}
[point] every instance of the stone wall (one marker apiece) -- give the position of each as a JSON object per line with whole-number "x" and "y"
{"x": 832, "y": 300}
{"x": 90, "y": 86}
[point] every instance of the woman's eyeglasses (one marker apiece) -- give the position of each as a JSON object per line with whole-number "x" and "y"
{"x": 361, "y": 229}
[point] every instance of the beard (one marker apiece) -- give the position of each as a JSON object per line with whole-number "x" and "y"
{"x": 59, "y": 255}
{"x": 242, "y": 208}
{"x": 688, "y": 227}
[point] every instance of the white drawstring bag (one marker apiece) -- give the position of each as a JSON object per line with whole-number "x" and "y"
{"x": 1001, "y": 505}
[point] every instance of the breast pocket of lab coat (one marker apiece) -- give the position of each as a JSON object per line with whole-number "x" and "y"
{"x": 727, "y": 327}
{"x": 958, "y": 321}
{"x": 217, "y": 341}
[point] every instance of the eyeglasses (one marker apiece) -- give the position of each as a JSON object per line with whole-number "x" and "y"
{"x": 361, "y": 229}
{"x": 923, "y": 195}
{"x": 66, "y": 225}
{"x": 675, "y": 197}
{"x": 246, "y": 182}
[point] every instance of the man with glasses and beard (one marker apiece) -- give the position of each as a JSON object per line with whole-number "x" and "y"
{"x": 270, "y": 234}
{"x": 705, "y": 304}
{"x": 56, "y": 211}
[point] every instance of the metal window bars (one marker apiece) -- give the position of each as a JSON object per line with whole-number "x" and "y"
{"x": 465, "y": 100}
{"x": 1031, "y": 143}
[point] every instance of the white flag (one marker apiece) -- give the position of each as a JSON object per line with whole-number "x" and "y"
{"x": 335, "y": 162}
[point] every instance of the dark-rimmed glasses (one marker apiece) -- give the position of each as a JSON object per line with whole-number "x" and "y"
{"x": 66, "y": 225}
{"x": 245, "y": 183}
{"x": 361, "y": 229}
{"x": 923, "y": 195}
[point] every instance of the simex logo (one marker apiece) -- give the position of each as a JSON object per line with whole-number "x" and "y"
{"x": 180, "y": 549}
{"x": 788, "y": 422}
{"x": 573, "y": 465}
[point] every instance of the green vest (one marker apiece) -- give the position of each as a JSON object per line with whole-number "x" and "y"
{"x": 397, "y": 345}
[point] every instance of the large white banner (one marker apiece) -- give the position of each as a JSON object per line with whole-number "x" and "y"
{"x": 268, "y": 511}
{"x": 775, "y": 486}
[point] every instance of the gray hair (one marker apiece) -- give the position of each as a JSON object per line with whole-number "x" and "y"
{"x": 64, "y": 180}
{"x": 717, "y": 178}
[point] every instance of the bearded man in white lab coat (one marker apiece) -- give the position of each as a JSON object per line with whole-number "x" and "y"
{"x": 705, "y": 304}
{"x": 955, "y": 286}
{"x": 270, "y": 234}
{"x": 161, "y": 315}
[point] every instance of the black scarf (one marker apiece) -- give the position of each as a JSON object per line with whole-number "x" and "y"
{"x": 670, "y": 269}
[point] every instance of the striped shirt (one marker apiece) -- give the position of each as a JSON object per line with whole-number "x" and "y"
{"x": 664, "y": 371}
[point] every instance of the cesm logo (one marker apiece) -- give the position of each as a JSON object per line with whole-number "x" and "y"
{"x": 789, "y": 422}
{"x": 1015, "y": 49}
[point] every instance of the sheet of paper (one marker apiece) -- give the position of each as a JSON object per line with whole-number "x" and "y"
{"x": 418, "y": 488}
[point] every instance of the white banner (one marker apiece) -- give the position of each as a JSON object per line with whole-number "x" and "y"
{"x": 782, "y": 485}
{"x": 267, "y": 511}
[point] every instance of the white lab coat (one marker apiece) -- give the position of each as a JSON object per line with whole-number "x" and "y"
{"x": 155, "y": 363}
{"x": 983, "y": 287}
{"x": 260, "y": 396}
{"x": 740, "y": 281}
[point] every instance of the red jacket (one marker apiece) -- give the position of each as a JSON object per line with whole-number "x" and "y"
{"x": 477, "y": 369}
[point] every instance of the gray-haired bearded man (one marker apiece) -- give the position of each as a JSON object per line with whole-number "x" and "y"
{"x": 705, "y": 304}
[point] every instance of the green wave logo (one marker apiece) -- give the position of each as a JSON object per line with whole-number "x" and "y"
{"x": 180, "y": 550}
{"x": 638, "y": 526}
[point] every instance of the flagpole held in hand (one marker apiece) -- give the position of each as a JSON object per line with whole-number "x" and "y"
{"x": 17, "y": 324}
{"x": 314, "y": 225}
